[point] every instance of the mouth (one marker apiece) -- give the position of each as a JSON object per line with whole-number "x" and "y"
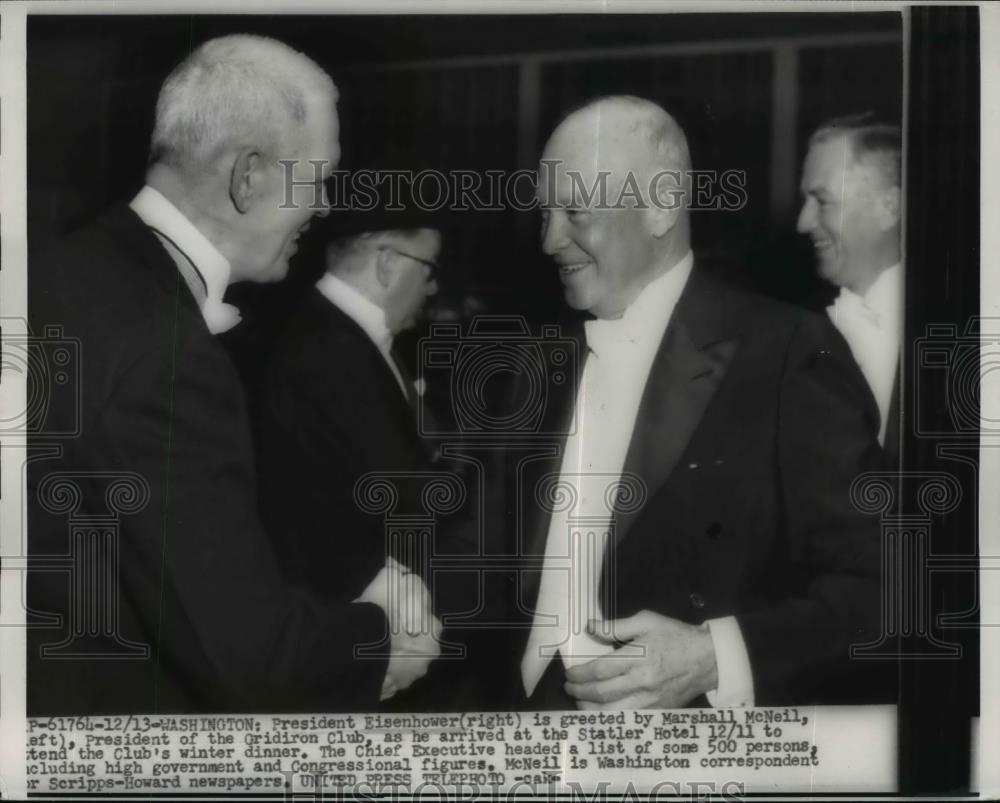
{"x": 294, "y": 242}
{"x": 565, "y": 271}
{"x": 822, "y": 245}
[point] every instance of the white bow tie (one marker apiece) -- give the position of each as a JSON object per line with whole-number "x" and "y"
{"x": 604, "y": 337}
{"x": 850, "y": 307}
{"x": 219, "y": 316}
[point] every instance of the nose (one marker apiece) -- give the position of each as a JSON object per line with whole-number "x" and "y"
{"x": 807, "y": 217}
{"x": 553, "y": 231}
{"x": 323, "y": 208}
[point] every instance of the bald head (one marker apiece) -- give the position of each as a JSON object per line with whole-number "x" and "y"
{"x": 611, "y": 188}
{"x": 625, "y": 131}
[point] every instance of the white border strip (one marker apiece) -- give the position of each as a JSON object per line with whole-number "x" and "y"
{"x": 986, "y": 733}
{"x": 13, "y": 305}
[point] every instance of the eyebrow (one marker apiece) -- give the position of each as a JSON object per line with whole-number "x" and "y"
{"x": 561, "y": 202}
{"x": 818, "y": 192}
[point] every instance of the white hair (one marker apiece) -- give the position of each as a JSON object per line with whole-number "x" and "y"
{"x": 234, "y": 91}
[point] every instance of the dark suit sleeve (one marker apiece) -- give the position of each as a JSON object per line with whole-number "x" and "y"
{"x": 826, "y": 438}
{"x": 196, "y": 561}
{"x": 321, "y": 428}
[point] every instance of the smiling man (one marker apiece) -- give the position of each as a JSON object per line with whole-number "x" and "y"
{"x": 591, "y": 226}
{"x": 852, "y": 212}
{"x": 189, "y": 611}
{"x": 707, "y": 550}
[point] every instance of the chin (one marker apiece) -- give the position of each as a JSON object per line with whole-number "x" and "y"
{"x": 277, "y": 271}
{"x": 577, "y": 300}
{"x": 830, "y": 271}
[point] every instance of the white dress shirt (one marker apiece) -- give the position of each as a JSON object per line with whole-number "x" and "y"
{"x": 204, "y": 269}
{"x": 607, "y": 404}
{"x": 366, "y": 314}
{"x": 871, "y": 324}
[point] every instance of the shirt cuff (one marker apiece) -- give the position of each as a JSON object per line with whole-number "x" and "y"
{"x": 735, "y": 689}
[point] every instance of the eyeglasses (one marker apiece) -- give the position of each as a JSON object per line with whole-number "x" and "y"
{"x": 432, "y": 265}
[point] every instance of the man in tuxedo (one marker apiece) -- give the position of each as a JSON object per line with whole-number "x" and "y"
{"x": 338, "y": 403}
{"x": 695, "y": 529}
{"x": 852, "y": 212}
{"x": 174, "y": 601}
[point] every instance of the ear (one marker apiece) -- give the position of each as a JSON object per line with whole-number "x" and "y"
{"x": 243, "y": 178}
{"x": 385, "y": 272}
{"x": 891, "y": 208}
{"x": 660, "y": 221}
{"x": 667, "y": 198}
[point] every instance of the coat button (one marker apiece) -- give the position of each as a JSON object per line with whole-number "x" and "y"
{"x": 714, "y": 530}
{"x": 696, "y": 600}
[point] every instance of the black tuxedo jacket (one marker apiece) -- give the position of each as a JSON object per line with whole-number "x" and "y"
{"x": 196, "y": 581}
{"x": 330, "y": 412}
{"x": 753, "y": 424}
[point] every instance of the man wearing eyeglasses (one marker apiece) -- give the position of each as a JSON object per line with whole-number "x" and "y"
{"x": 337, "y": 403}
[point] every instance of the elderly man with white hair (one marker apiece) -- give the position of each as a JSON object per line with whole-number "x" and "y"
{"x": 190, "y": 612}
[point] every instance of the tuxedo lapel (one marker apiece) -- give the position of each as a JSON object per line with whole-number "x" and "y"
{"x": 148, "y": 253}
{"x": 691, "y": 362}
{"x": 406, "y": 376}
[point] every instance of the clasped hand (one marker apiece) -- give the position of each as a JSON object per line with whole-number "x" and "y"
{"x": 413, "y": 629}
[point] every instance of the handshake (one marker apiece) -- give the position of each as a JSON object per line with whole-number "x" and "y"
{"x": 413, "y": 629}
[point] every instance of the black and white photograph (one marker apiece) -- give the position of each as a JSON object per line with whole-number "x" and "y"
{"x": 476, "y": 401}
